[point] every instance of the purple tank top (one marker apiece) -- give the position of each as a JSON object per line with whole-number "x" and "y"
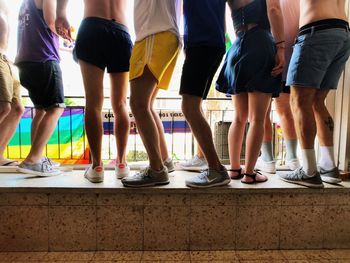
{"x": 35, "y": 41}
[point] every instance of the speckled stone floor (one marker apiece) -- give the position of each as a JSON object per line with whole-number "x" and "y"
{"x": 251, "y": 256}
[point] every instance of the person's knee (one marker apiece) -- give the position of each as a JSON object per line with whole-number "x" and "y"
{"x": 119, "y": 106}
{"x": 138, "y": 106}
{"x": 319, "y": 106}
{"x": 299, "y": 102}
{"x": 55, "y": 111}
{"x": 17, "y": 109}
{"x": 5, "y": 109}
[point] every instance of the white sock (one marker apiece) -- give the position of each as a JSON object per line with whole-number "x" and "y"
{"x": 308, "y": 157}
{"x": 327, "y": 161}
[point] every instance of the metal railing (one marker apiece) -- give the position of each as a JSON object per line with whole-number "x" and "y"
{"x": 69, "y": 143}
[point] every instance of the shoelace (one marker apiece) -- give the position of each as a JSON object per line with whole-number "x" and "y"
{"x": 46, "y": 166}
{"x": 143, "y": 173}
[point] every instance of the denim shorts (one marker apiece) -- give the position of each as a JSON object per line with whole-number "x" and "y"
{"x": 319, "y": 58}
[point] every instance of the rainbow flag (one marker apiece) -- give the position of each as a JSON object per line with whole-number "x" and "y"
{"x": 67, "y": 143}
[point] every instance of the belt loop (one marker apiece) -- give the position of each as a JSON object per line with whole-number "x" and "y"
{"x": 312, "y": 30}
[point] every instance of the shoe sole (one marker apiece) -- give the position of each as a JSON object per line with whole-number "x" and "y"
{"x": 193, "y": 169}
{"x": 226, "y": 182}
{"x": 316, "y": 186}
{"x": 146, "y": 185}
{"x": 265, "y": 170}
{"x": 331, "y": 180}
{"x": 28, "y": 171}
{"x": 94, "y": 180}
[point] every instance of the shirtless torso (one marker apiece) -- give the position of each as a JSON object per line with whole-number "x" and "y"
{"x": 108, "y": 9}
{"x": 4, "y": 26}
{"x": 315, "y": 10}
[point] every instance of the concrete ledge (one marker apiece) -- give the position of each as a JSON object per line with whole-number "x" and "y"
{"x": 68, "y": 213}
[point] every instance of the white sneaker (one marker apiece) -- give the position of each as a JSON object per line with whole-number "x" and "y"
{"x": 293, "y": 164}
{"x": 195, "y": 164}
{"x": 122, "y": 170}
{"x": 95, "y": 175}
{"x": 267, "y": 167}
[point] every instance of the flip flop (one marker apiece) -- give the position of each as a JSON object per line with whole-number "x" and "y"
{"x": 253, "y": 176}
{"x": 10, "y": 163}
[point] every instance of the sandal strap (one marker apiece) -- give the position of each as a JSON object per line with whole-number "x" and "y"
{"x": 253, "y": 176}
{"x": 239, "y": 171}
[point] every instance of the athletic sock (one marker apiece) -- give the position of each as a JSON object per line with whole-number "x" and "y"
{"x": 309, "y": 161}
{"x": 266, "y": 151}
{"x": 327, "y": 161}
{"x": 291, "y": 149}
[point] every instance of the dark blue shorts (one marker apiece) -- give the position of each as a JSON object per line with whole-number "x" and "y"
{"x": 200, "y": 66}
{"x": 248, "y": 65}
{"x": 104, "y": 44}
{"x": 43, "y": 82}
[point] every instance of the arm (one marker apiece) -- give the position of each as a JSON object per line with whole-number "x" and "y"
{"x": 49, "y": 10}
{"x": 62, "y": 24}
{"x": 274, "y": 13}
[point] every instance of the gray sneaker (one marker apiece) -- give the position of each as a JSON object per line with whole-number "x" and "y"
{"x": 209, "y": 178}
{"x": 298, "y": 176}
{"x": 195, "y": 164}
{"x": 54, "y": 164}
{"x": 169, "y": 164}
{"x": 147, "y": 177}
{"x": 44, "y": 168}
{"x": 331, "y": 176}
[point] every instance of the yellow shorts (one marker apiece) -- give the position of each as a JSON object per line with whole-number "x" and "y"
{"x": 9, "y": 84}
{"x": 159, "y": 53}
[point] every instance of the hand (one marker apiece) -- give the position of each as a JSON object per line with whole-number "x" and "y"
{"x": 280, "y": 61}
{"x": 63, "y": 28}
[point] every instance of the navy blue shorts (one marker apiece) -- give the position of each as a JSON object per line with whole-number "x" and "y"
{"x": 43, "y": 82}
{"x": 248, "y": 65}
{"x": 200, "y": 66}
{"x": 104, "y": 44}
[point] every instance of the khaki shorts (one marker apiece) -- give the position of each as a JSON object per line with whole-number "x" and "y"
{"x": 159, "y": 53}
{"x": 9, "y": 84}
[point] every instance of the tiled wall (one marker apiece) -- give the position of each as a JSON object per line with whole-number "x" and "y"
{"x": 179, "y": 221}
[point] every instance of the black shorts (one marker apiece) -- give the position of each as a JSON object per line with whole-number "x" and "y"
{"x": 43, "y": 82}
{"x": 104, "y": 44}
{"x": 200, "y": 66}
{"x": 285, "y": 88}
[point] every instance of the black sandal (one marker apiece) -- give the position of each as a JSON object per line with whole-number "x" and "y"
{"x": 239, "y": 173}
{"x": 253, "y": 176}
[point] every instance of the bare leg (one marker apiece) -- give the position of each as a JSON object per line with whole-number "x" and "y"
{"x": 119, "y": 91}
{"x": 162, "y": 142}
{"x": 325, "y": 127}
{"x": 268, "y": 126}
{"x": 142, "y": 90}
{"x": 191, "y": 107}
{"x": 258, "y": 105}
{"x": 324, "y": 121}
{"x": 8, "y": 125}
{"x": 284, "y": 111}
{"x": 302, "y": 100}
{"x": 237, "y": 128}
{"x": 5, "y": 108}
{"x": 266, "y": 147}
{"x": 44, "y": 132}
{"x": 38, "y": 116}
{"x": 93, "y": 84}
